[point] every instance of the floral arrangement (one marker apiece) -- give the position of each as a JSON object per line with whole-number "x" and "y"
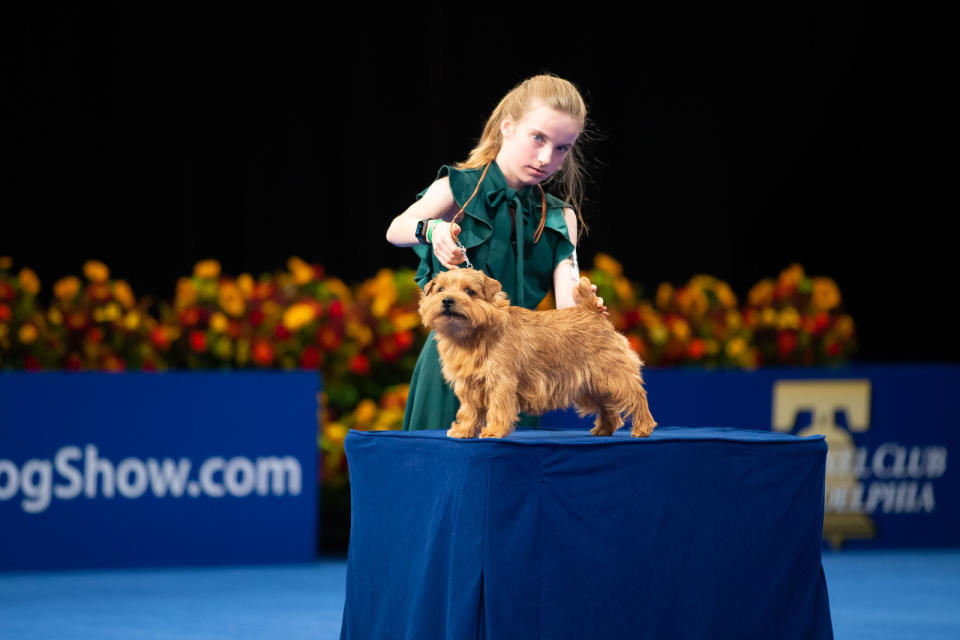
{"x": 365, "y": 338}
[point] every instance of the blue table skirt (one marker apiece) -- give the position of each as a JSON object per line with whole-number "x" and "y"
{"x": 691, "y": 533}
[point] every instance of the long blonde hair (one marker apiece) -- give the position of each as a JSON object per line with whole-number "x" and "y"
{"x": 553, "y": 92}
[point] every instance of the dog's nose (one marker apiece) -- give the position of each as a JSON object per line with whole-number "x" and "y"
{"x": 447, "y": 303}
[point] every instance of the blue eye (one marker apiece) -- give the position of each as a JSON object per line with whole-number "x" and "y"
{"x": 538, "y": 137}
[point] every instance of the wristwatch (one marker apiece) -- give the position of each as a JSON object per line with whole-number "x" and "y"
{"x": 422, "y": 231}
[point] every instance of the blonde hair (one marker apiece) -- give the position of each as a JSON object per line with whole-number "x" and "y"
{"x": 553, "y": 92}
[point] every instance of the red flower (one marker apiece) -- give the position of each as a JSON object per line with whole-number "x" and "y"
{"x": 697, "y": 348}
{"x": 30, "y": 363}
{"x": 360, "y": 365}
{"x": 198, "y": 341}
{"x": 95, "y": 335}
{"x": 263, "y": 353}
{"x": 318, "y": 272}
{"x": 336, "y": 310}
{"x": 404, "y": 340}
{"x": 5, "y": 313}
{"x": 189, "y": 317}
{"x": 786, "y": 343}
{"x": 310, "y": 358}
{"x": 6, "y": 291}
{"x": 158, "y": 336}
{"x": 74, "y": 363}
{"x": 833, "y": 349}
{"x": 149, "y": 365}
{"x": 282, "y": 332}
{"x": 113, "y": 363}
{"x": 387, "y": 346}
{"x": 256, "y": 318}
{"x": 328, "y": 338}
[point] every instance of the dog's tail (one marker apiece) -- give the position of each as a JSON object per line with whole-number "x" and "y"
{"x": 588, "y": 298}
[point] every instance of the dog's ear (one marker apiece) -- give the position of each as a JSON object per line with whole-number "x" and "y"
{"x": 430, "y": 286}
{"x": 491, "y": 287}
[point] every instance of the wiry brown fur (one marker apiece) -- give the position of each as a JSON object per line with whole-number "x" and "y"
{"x": 503, "y": 360}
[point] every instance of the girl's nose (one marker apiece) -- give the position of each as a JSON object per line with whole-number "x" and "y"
{"x": 545, "y": 155}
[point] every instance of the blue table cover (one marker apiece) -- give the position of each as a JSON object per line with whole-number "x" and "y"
{"x": 691, "y": 533}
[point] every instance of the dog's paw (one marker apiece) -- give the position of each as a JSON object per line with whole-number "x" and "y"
{"x": 458, "y": 431}
{"x": 603, "y": 430}
{"x": 490, "y": 432}
{"x": 642, "y": 429}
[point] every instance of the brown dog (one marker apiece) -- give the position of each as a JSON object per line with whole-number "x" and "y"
{"x": 503, "y": 360}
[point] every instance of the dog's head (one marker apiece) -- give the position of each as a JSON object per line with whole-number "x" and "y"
{"x": 462, "y": 301}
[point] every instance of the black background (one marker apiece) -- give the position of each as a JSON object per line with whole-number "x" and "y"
{"x": 728, "y": 141}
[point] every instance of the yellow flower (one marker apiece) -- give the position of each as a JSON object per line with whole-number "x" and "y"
{"x": 390, "y": 418}
{"x": 768, "y": 316}
{"x": 243, "y": 351}
{"x": 207, "y": 269}
{"x": 365, "y": 412}
{"x": 789, "y": 319}
{"x": 845, "y": 326}
{"x": 606, "y": 263}
{"x": 29, "y": 281}
{"x": 826, "y": 294}
{"x": 335, "y": 432}
{"x": 246, "y": 285}
{"x": 359, "y": 332}
{"x": 734, "y": 320}
{"x": 186, "y": 294}
{"x": 230, "y": 298}
{"x": 408, "y": 320}
{"x": 55, "y": 316}
{"x": 624, "y": 290}
{"x": 131, "y": 321}
{"x": 96, "y": 271}
{"x": 124, "y": 294}
{"x": 736, "y": 347}
{"x": 680, "y": 329}
{"x": 302, "y": 272}
{"x": 223, "y": 347}
{"x": 28, "y": 333}
{"x": 725, "y": 295}
{"x": 218, "y": 322}
{"x": 299, "y": 316}
{"x": 761, "y": 295}
{"x": 107, "y": 313}
{"x": 664, "y": 295}
{"x": 6, "y": 262}
{"x": 340, "y": 290}
{"x": 659, "y": 334}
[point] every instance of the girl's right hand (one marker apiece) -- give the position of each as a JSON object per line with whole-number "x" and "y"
{"x": 444, "y": 241}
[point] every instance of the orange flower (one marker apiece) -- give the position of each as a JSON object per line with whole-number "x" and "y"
{"x": 6, "y": 262}
{"x": 96, "y": 271}
{"x": 230, "y": 298}
{"x": 66, "y": 288}
{"x": 826, "y": 294}
{"x": 209, "y": 269}
{"x": 604, "y": 262}
{"x": 28, "y": 333}
{"x": 301, "y": 271}
{"x": 124, "y": 294}
{"x": 761, "y": 295}
{"x": 29, "y": 281}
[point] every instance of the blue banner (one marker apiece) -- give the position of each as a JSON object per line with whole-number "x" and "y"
{"x": 889, "y": 430}
{"x": 104, "y": 470}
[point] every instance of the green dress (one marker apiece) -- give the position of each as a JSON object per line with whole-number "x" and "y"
{"x": 524, "y": 270}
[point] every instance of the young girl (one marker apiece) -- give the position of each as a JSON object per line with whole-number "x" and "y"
{"x": 491, "y": 213}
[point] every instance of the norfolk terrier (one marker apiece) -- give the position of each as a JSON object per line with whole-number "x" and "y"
{"x": 503, "y": 360}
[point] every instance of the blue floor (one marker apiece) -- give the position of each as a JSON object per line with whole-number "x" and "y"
{"x": 873, "y": 595}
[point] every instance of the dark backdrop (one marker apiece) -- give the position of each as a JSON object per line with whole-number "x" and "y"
{"x": 725, "y": 141}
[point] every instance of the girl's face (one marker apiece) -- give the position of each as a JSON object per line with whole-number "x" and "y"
{"x": 535, "y": 146}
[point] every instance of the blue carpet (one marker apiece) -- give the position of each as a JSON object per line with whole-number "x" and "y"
{"x": 889, "y": 595}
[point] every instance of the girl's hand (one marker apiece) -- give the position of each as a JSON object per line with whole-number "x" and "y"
{"x": 444, "y": 241}
{"x": 600, "y": 306}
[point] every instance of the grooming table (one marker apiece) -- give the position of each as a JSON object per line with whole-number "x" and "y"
{"x": 690, "y": 533}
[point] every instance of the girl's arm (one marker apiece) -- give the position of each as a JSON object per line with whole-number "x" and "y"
{"x": 436, "y": 204}
{"x": 566, "y": 276}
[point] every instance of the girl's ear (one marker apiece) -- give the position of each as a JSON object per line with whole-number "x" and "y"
{"x": 506, "y": 127}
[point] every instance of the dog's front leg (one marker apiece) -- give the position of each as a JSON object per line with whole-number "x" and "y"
{"x": 502, "y": 411}
{"x": 468, "y": 422}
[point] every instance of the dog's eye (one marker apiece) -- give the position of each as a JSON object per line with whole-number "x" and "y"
{"x": 469, "y": 292}
{"x": 439, "y": 289}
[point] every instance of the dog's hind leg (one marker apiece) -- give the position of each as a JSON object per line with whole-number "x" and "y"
{"x": 643, "y": 422}
{"x": 608, "y": 418}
